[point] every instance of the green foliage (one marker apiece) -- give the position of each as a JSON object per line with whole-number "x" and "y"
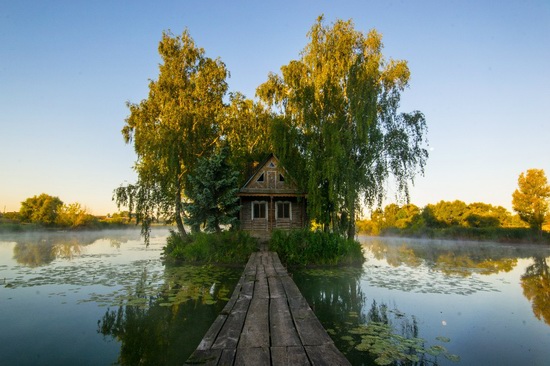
{"x": 305, "y": 247}
{"x": 229, "y": 247}
{"x": 532, "y": 198}
{"x": 247, "y": 130}
{"x": 42, "y": 209}
{"x": 338, "y": 127}
{"x": 212, "y": 190}
{"x": 178, "y": 123}
{"x": 75, "y": 216}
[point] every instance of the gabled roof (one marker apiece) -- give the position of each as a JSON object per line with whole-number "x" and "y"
{"x": 259, "y": 182}
{"x": 259, "y": 168}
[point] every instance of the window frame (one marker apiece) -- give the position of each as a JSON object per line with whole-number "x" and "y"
{"x": 277, "y": 210}
{"x": 253, "y": 212}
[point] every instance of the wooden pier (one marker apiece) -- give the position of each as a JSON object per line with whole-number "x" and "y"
{"x": 267, "y": 321}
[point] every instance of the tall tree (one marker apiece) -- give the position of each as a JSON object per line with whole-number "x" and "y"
{"x": 339, "y": 103}
{"x": 177, "y": 124}
{"x": 531, "y": 199}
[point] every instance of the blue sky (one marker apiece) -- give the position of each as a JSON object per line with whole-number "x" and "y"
{"x": 479, "y": 74}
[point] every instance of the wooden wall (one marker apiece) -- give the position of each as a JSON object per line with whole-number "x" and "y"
{"x": 271, "y": 222}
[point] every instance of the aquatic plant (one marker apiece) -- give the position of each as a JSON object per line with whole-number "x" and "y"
{"x": 379, "y": 337}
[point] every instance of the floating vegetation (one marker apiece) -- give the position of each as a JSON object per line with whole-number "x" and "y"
{"x": 380, "y": 339}
{"x": 135, "y": 283}
{"x": 173, "y": 286}
{"x": 421, "y": 279}
{"x": 424, "y": 280}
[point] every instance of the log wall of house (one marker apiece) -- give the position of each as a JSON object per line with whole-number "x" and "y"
{"x": 271, "y": 222}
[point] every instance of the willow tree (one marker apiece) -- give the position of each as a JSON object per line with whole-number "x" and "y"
{"x": 177, "y": 124}
{"x": 338, "y": 107}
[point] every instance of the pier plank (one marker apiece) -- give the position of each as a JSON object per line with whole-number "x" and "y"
{"x": 231, "y": 331}
{"x": 256, "y": 327}
{"x": 289, "y": 356}
{"x": 257, "y": 356}
{"x": 283, "y": 332}
{"x": 327, "y": 354}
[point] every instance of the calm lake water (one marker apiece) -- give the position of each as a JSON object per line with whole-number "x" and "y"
{"x": 456, "y": 303}
{"x": 102, "y": 298}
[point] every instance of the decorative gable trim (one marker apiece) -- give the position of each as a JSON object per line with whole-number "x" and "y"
{"x": 270, "y": 178}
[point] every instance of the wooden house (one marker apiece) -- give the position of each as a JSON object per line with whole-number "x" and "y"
{"x": 271, "y": 200}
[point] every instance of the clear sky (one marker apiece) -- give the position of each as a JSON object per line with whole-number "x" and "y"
{"x": 479, "y": 72}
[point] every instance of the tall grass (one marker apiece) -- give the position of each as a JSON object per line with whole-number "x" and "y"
{"x": 227, "y": 247}
{"x": 305, "y": 247}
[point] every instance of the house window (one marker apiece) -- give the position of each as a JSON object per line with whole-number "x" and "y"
{"x": 259, "y": 210}
{"x": 261, "y": 178}
{"x": 284, "y": 210}
{"x": 281, "y": 178}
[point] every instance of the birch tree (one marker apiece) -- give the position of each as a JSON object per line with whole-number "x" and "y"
{"x": 178, "y": 123}
{"x": 339, "y": 114}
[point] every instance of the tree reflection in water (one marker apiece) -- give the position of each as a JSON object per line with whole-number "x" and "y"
{"x": 375, "y": 335}
{"x": 167, "y": 329}
{"x": 40, "y": 249}
{"x": 536, "y": 288}
{"x": 465, "y": 260}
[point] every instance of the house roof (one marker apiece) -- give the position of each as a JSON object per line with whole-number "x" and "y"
{"x": 275, "y": 186}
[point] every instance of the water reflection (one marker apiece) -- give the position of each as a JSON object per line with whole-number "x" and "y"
{"x": 462, "y": 260}
{"x": 42, "y": 248}
{"x": 165, "y": 331}
{"x": 374, "y": 334}
{"x": 536, "y": 287}
{"x": 411, "y": 294}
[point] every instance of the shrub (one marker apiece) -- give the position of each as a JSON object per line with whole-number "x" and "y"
{"x": 304, "y": 247}
{"x": 228, "y": 247}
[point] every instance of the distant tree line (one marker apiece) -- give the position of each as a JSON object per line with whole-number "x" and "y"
{"x": 531, "y": 202}
{"x": 443, "y": 214}
{"x": 449, "y": 219}
{"x": 49, "y": 211}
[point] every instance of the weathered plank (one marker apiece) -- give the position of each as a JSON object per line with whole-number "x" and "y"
{"x": 261, "y": 286}
{"x": 258, "y": 356}
{"x": 294, "y": 355}
{"x": 309, "y": 328}
{"x": 256, "y": 327}
{"x": 283, "y": 332}
{"x": 290, "y": 287}
{"x": 212, "y": 333}
{"x": 327, "y": 354}
{"x": 204, "y": 357}
{"x": 276, "y": 289}
{"x": 227, "y": 357}
{"x": 230, "y": 333}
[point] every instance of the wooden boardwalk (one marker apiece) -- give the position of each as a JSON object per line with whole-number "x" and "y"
{"x": 267, "y": 321}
